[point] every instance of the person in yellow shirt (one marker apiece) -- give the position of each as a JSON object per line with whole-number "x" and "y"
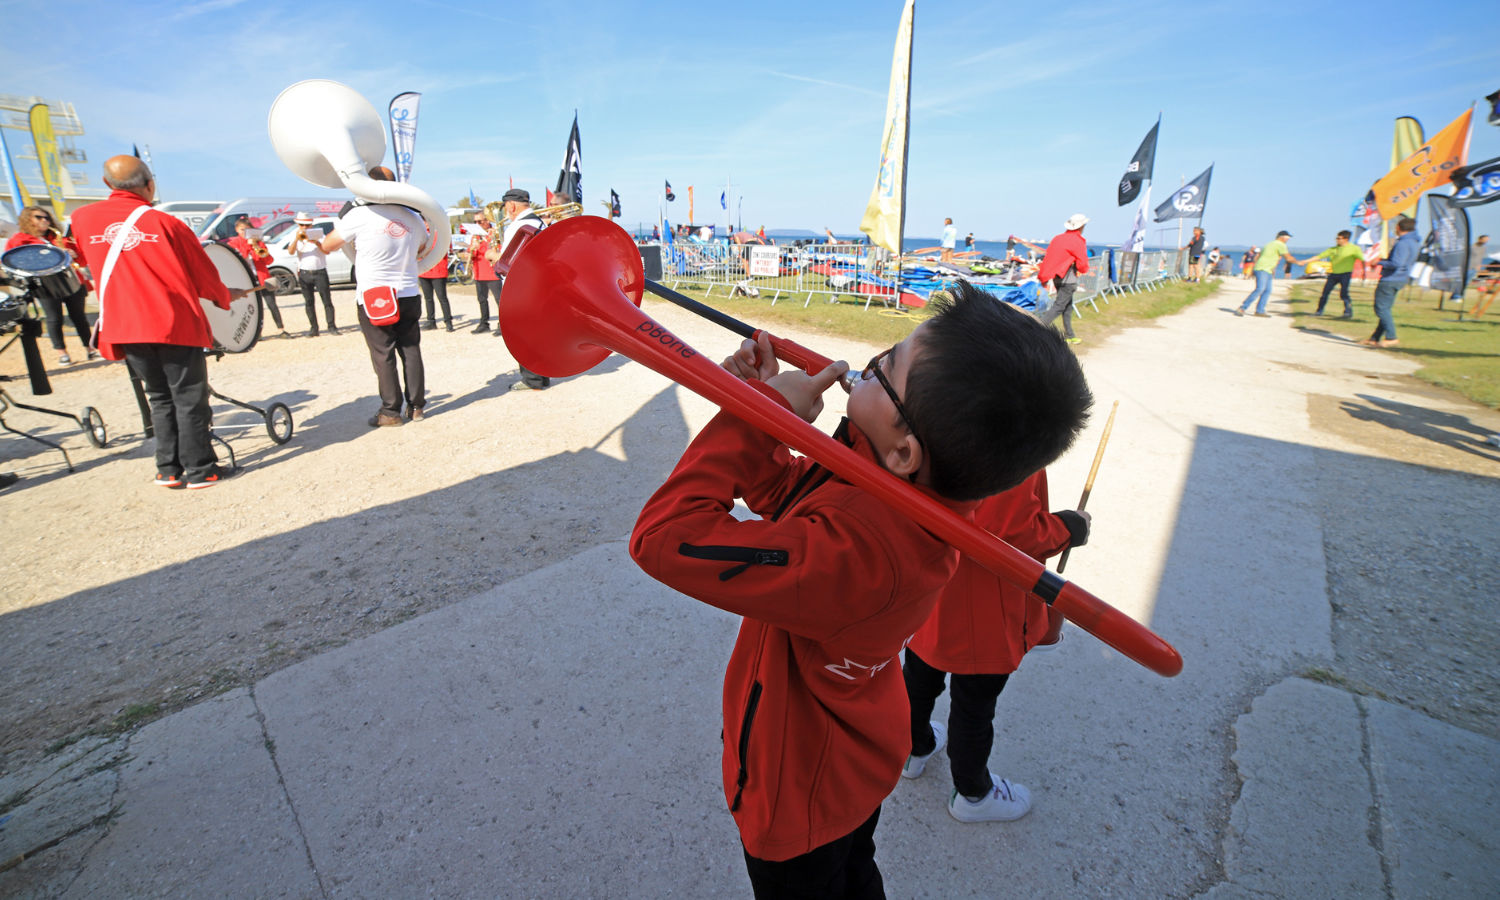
{"x": 1341, "y": 259}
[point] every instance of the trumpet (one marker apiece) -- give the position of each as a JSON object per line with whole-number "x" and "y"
{"x": 572, "y": 296}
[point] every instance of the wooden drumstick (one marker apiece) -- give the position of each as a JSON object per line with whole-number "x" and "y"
{"x": 1088, "y": 485}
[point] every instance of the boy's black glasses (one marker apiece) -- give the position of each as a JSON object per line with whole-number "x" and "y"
{"x": 873, "y": 371}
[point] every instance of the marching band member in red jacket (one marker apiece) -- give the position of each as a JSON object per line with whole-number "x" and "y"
{"x": 150, "y": 315}
{"x": 978, "y": 632}
{"x": 37, "y": 227}
{"x": 255, "y": 252}
{"x": 832, "y": 582}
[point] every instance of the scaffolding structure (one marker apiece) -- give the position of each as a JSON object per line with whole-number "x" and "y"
{"x": 15, "y": 114}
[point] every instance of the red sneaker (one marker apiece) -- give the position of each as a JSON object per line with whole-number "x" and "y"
{"x": 168, "y": 481}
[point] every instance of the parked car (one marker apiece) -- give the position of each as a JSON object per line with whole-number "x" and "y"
{"x": 278, "y": 237}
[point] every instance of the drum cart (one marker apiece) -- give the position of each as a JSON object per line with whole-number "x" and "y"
{"x": 38, "y": 268}
{"x": 278, "y": 418}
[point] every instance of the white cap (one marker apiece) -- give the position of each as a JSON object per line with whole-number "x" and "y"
{"x": 1075, "y": 222}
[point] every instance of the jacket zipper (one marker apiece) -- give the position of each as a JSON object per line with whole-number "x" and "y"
{"x": 745, "y": 556}
{"x": 739, "y": 781}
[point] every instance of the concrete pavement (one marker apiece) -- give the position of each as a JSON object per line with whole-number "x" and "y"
{"x": 558, "y": 736}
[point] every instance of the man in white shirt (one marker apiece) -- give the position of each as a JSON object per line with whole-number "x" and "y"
{"x": 312, "y": 272}
{"x": 386, "y": 238}
{"x": 518, "y": 213}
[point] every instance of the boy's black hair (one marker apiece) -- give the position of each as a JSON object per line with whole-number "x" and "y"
{"x": 996, "y": 395}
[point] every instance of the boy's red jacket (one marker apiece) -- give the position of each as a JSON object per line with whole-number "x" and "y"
{"x": 831, "y": 582}
{"x": 982, "y": 624}
{"x": 158, "y": 278}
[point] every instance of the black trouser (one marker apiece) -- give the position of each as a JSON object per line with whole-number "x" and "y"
{"x": 840, "y": 868}
{"x": 267, "y": 300}
{"x": 386, "y": 342}
{"x": 971, "y": 720}
{"x": 1062, "y": 305}
{"x": 175, "y": 380}
{"x": 316, "y": 278}
{"x": 483, "y": 289}
{"x": 52, "y": 308}
{"x": 1342, "y": 280}
{"x": 439, "y": 286}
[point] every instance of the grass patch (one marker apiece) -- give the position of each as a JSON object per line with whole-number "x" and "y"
{"x": 1458, "y": 355}
{"x": 848, "y": 318}
{"x": 133, "y": 715}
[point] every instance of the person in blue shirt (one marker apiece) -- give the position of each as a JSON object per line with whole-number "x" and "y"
{"x": 1395, "y": 272}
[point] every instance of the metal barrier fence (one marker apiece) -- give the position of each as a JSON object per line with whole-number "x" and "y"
{"x": 861, "y": 271}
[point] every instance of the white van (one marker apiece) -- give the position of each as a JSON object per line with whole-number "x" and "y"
{"x": 195, "y": 213}
{"x": 262, "y": 211}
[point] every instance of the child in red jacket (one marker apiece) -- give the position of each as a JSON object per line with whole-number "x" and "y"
{"x": 831, "y": 582}
{"x": 978, "y": 632}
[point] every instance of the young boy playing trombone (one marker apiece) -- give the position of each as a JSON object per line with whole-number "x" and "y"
{"x": 831, "y": 582}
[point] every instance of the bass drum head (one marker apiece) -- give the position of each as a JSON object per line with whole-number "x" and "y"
{"x": 237, "y": 328}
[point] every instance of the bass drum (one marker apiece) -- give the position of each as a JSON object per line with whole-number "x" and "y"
{"x": 45, "y": 269}
{"x": 237, "y": 328}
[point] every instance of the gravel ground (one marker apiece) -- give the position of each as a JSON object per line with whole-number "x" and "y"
{"x": 124, "y": 601}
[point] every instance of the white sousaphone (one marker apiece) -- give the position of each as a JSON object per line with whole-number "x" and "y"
{"x": 329, "y": 135}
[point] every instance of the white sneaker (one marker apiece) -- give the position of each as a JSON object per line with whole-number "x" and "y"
{"x": 1005, "y": 803}
{"x": 916, "y": 765}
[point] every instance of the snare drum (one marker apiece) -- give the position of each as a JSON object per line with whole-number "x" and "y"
{"x": 46, "y": 270}
{"x": 237, "y": 328}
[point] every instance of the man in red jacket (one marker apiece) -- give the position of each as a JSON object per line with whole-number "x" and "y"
{"x": 1067, "y": 257}
{"x": 150, "y": 314}
{"x": 978, "y": 632}
{"x": 831, "y": 581}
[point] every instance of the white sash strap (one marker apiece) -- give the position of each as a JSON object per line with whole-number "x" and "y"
{"x": 115, "y": 247}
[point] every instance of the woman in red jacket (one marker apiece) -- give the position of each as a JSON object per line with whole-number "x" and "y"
{"x": 37, "y": 227}
{"x": 979, "y": 630}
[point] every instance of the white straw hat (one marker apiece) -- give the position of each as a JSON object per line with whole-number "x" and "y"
{"x": 1075, "y": 222}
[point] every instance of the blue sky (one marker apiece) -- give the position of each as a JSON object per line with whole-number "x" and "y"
{"x": 1022, "y": 114}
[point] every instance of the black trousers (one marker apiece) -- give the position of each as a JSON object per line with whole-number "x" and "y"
{"x": 52, "y": 308}
{"x": 483, "y": 290}
{"x": 175, "y": 380}
{"x": 437, "y": 286}
{"x": 308, "y": 279}
{"x": 843, "y": 868}
{"x": 267, "y": 300}
{"x": 1342, "y": 280}
{"x": 971, "y": 720}
{"x": 386, "y": 343}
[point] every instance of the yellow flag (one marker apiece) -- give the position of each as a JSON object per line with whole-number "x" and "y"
{"x": 46, "y": 154}
{"x": 1430, "y": 166}
{"x": 885, "y": 218}
{"x": 1408, "y": 139}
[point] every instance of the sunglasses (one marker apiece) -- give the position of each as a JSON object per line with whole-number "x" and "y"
{"x": 873, "y": 370}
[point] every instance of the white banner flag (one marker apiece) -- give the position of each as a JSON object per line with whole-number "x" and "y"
{"x": 1136, "y": 243}
{"x": 404, "y": 132}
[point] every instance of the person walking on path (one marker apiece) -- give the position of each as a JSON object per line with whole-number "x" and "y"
{"x": 1066, "y": 258}
{"x": 1194, "y": 248}
{"x": 950, "y": 240}
{"x": 1395, "y": 272}
{"x": 1265, "y": 270}
{"x": 1248, "y": 261}
{"x": 1341, "y": 257}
